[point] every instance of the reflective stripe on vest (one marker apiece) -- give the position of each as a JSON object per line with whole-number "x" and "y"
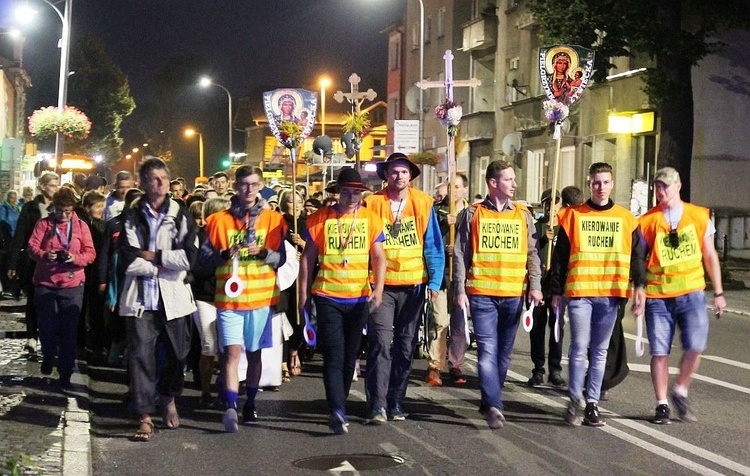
{"x": 405, "y": 252}
{"x": 499, "y": 243}
{"x": 675, "y": 271}
{"x": 600, "y": 249}
{"x": 343, "y": 272}
{"x": 260, "y": 287}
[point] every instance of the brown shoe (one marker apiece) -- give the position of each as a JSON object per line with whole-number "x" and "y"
{"x": 433, "y": 378}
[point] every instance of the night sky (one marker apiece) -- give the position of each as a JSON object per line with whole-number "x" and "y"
{"x": 247, "y": 44}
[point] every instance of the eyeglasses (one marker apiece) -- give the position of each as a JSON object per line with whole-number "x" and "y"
{"x": 674, "y": 238}
{"x": 251, "y": 185}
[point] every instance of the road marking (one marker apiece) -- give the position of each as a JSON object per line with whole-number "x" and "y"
{"x": 714, "y": 358}
{"x": 683, "y": 445}
{"x": 674, "y": 371}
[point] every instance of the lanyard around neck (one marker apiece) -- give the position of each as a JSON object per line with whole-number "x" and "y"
{"x": 65, "y": 244}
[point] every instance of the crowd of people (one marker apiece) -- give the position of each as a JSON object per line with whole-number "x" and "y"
{"x": 155, "y": 271}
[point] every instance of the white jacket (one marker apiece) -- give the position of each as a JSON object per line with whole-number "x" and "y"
{"x": 176, "y": 253}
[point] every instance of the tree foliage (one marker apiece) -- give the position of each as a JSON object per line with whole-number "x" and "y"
{"x": 675, "y": 34}
{"x": 100, "y": 89}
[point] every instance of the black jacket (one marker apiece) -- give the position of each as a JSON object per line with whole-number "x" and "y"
{"x": 17, "y": 257}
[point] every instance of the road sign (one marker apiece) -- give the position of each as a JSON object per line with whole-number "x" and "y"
{"x": 406, "y": 136}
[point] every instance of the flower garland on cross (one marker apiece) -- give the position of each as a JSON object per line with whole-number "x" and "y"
{"x": 449, "y": 114}
{"x": 356, "y": 123}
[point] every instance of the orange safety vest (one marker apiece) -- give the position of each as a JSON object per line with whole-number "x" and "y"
{"x": 675, "y": 271}
{"x": 500, "y": 244}
{"x": 225, "y": 230}
{"x": 343, "y": 271}
{"x": 405, "y": 252}
{"x": 601, "y": 243}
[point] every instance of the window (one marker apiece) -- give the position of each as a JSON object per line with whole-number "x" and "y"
{"x": 441, "y": 23}
{"x": 534, "y": 174}
{"x": 427, "y": 30}
{"x": 567, "y": 167}
{"x": 394, "y": 54}
{"x": 415, "y": 36}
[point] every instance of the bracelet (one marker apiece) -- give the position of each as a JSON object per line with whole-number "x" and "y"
{"x": 718, "y": 294}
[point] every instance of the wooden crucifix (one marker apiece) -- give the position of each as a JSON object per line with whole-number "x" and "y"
{"x": 449, "y": 84}
{"x": 356, "y": 99}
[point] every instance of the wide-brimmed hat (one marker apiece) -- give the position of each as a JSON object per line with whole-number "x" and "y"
{"x": 348, "y": 177}
{"x": 547, "y": 195}
{"x": 397, "y": 157}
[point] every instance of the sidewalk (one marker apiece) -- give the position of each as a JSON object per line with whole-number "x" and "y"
{"x": 42, "y": 430}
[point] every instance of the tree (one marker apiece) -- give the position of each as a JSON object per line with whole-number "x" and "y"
{"x": 101, "y": 90}
{"x": 675, "y": 34}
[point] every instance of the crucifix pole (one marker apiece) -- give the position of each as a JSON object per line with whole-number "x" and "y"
{"x": 356, "y": 99}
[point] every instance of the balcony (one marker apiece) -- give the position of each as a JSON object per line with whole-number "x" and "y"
{"x": 478, "y": 126}
{"x": 528, "y": 114}
{"x": 480, "y": 34}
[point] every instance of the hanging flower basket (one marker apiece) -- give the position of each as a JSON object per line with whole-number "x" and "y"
{"x": 424, "y": 158}
{"x": 290, "y": 134}
{"x": 449, "y": 114}
{"x": 48, "y": 121}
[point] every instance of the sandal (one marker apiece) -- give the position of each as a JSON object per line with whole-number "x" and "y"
{"x": 144, "y": 435}
{"x": 296, "y": 365}
{"x": 285, "y": 377}
{"x": 170, "y": 416}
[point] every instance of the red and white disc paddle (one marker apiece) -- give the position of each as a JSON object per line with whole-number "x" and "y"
{"x": 528, "y": 318}
{"x": 234, "y": 285}
{"x": 639, "y": 346}
{"x": 557, "y": 325}
{"x": 311, "y": 338}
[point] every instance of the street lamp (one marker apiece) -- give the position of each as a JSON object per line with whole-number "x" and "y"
{"x": 421, "y": 74}
{"x": 191, "y": 133}
{"x": 324, "y": 83}
{"x": 24, "y": 12}
{"x": 205, "y": 82}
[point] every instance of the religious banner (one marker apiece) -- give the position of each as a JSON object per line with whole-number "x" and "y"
{"x": 290, "y": 114}
{"x": 565, "y": 71}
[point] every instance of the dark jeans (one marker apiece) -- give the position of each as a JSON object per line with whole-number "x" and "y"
{"x": 32, "y": 323}
{"x": 388, "y": 367}
{"x": 545, "y": 317}
{"x": 59, "y": 310}
{"x": 340, "y": 331}
{"x": 143, "y": 335}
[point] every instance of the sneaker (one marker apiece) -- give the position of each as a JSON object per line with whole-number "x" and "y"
{"x": 495, "y": 418}
{"x": 556, "y": 379}
{"x": 682, "y": 406}
{"x": 591, "y": 415}
{"x": 230, "y": 420}
{"x": 458, "y": 377}
{"x": 604, "y": 396}
{"x": 433, "y": 378}
{"x": 396, "y": 414}
{"x": 573, "y": 415}
{"x": 536, "y": 380}
{"x": 378, "y": 416}
{"x": 662, "y": 415}
{"x": 249, "y": 414}
{"x": 30, "y": 346}
{"x": 338, "y": 423}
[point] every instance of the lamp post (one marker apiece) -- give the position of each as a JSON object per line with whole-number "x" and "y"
{"x": 190, "y": 133}
{"x": 62, "y": 94}
{"x": 421, "y": 74}
{"x": 324, "y": 83}
{"x": 206, "y": 82}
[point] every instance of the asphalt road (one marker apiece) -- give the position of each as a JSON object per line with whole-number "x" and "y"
{"x": 444, "y": 433}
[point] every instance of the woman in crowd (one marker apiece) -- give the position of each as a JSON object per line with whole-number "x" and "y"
{"x": 61, "y": 246}
{"x": 9, "y": 212}
{"x": 288, "y": 301}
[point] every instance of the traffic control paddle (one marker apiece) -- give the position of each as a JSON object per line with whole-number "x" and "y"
{"x": 466, "y": 324}
{"x": 234, "y": 285}
{"x": 557, "y": 325}
{"x": 528, "y": 318}
{"x": 639, "y": 347}
{"x": 311, "y": 338}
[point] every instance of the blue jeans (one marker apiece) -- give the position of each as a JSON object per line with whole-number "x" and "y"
{"x": 592, "y": 320}
{"x": 495, "y": 324}
{"x": 688, "y": 312}
{"x": 340, "y": 328}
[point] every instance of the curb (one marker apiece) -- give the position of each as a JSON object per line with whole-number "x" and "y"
{"x": 76, "y": 448}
